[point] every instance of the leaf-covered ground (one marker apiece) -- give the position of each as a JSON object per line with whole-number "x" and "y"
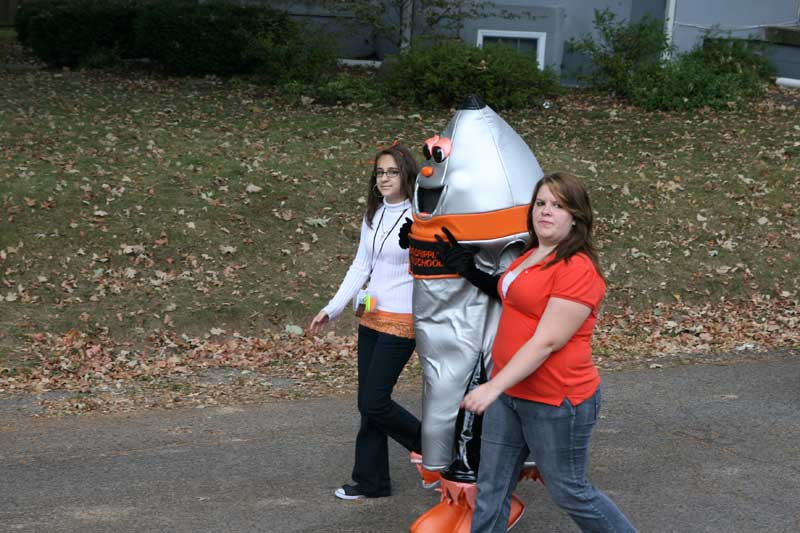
{"x": 162, "y": 239}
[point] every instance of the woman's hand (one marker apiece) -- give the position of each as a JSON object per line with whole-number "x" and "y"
{"x": 319, "y": 321}
{"x": 480, "y": 398}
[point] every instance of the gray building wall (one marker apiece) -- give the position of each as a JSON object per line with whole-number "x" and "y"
{"x": 563, "y": 20}
{"x": 786, "y": 59}
{"x": 353, "y": 40}
{"x": 560, "y": 19}
{"x": 655, "y": 9}
{"x": 742, "y": 18}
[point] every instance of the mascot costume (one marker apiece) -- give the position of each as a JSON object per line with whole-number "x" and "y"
{"x": 474, "y": 188}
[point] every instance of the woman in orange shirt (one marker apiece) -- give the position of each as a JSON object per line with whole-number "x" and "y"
{"x": 543, "y": 397}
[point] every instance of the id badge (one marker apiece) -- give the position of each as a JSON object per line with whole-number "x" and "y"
{"x": 363, "y": 302}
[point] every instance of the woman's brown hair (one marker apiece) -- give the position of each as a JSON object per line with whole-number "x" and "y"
{"x": 574, "y": 198}
{"x": 408, "y": 173}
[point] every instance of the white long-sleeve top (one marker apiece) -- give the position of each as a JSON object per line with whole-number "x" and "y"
{"x": 390, "y": 283}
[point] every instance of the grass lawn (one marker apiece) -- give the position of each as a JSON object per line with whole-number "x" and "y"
{"x": 146, "y": 218}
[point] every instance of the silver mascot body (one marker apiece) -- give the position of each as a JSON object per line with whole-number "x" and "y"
{"x": 477, "y": 181}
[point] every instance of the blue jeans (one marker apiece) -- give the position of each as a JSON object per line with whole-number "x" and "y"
{"x": 557, "y": 438}
{"x": 381, "y": 358}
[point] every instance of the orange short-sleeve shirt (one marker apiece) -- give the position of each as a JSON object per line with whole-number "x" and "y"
{"x": 568, "y": 372}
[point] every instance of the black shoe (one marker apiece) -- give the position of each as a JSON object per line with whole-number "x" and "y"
{"x": 349, "y": 492}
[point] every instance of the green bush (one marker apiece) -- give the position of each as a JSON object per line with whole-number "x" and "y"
{"x": 735, "y": 56}
{"x": 343, "y": 89}
{"x": 626, "y": 52}
{"x": 183, "y": 36}
{"x": 25, "y": 12}
{"x": 225, "y": 39}
{"x": 67, "y": 32}
{"x": 300, "y": 56}
{"x": 443, "y": 74}
{"x": 630, "y": 61}
{"x": 718, "y": 74}
{"x": 210, "y": 38}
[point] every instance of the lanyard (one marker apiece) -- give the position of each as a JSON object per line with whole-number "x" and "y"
{"x": 373, "y": 258}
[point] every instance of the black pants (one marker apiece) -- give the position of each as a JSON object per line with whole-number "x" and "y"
{"x": 381, "y": 358}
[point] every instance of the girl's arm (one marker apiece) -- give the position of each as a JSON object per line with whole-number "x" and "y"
{"x": 355, "y": 278}
{"x": 560, "y": 321}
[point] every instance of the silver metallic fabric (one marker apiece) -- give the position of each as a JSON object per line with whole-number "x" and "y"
{"x": 484, "y": 168}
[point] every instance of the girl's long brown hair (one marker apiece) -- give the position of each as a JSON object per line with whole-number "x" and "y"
{"x": 408, "y": 173}
{"x": 574, "y": 198}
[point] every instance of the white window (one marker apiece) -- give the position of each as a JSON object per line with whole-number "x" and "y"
{"x": 531, "y": 42}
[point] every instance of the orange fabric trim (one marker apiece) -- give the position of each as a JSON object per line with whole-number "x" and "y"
{"x": 473, "y": 226}
{"x": 398, "y": 324}
{"x": 434, "y": 276}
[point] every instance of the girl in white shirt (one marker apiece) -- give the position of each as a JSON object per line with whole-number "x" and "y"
{"x": 386, "y": 328}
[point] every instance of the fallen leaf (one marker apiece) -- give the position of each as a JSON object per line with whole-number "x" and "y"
{"x": 294, "y": 330}
{"x": 318, "y": 222}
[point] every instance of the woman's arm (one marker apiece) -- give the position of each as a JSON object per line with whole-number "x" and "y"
{"x": 318, "y": 322}
{"x": 560, "y": 321}
{"x": 355, "y": 278}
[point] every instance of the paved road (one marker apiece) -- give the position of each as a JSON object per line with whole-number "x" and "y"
{"x": 689, "y": 449}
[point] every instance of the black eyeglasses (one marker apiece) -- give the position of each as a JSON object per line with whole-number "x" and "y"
{"x": 390, "y": 172}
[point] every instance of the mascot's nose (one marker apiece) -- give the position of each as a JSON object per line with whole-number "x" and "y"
{"x": 427, "y": 171}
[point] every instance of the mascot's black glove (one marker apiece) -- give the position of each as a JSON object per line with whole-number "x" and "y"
{"x": 460, "y": 260}
{"x": 454, "y": 256}
{"x": 405, "y": 229}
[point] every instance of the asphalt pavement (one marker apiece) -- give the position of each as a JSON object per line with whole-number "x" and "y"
{"x": 687, "y": 449}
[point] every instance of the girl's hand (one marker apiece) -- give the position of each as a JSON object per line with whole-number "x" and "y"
{"x": 480, "y": 398}
{"x": 318, "y": 322}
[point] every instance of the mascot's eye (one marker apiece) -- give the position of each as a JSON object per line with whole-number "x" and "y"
{"x": 437, "y": 148}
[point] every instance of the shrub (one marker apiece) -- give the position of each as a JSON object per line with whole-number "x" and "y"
{"x": 624, "y": 53}
{"x": 65, "y": 33}
{"x": 224, "y": 39}
{"x": 443, "y": 74}
{"x": 713, "y": 75}
{"x": 735, "y": 56}
{"x": 345, "y": 88}
{"x": 630, "y": 61}
{"x": 25, "y": 12}
{"x": 210, "y": 38}
{"x": 301, "y": 57}
{"x": 183, "y": 36}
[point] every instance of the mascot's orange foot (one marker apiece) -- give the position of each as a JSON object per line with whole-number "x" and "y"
{"x": 444, "y": 517}
{"x": 517, "y": 510}
{"x": 430, "y": 479}
{"x": 531, "y": 471}
{"x": 453, "y": 514}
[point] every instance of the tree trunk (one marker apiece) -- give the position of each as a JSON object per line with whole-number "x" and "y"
{"x": 406, "y": 23}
